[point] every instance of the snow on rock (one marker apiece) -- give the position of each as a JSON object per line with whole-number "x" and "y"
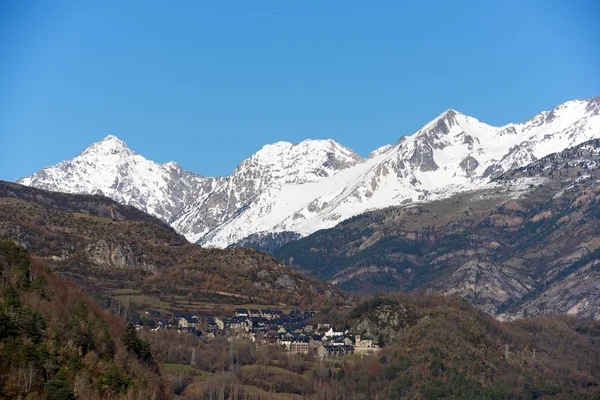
{"x": 110, "y": 168}
{"x": 315, "y": 184}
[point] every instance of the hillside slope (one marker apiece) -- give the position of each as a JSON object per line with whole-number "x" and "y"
{"x": 56, "y": 343}
{"x": 441, "y": 347}
{"x": 527, "y": 245}
{"x": 114, "y": 250}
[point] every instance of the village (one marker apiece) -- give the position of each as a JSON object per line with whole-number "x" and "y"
{"x": 292, "y": 331}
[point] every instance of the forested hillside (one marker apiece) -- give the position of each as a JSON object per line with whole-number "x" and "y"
{"x": 56, "y": 343}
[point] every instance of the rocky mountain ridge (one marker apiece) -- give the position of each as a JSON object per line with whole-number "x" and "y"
{"x": 316, "y": 184}
{"x": 527, "y": 244}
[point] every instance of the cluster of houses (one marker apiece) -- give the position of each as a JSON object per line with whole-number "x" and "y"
{"x": 292, "y": 331}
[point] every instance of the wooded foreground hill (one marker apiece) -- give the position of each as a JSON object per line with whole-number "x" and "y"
{"x": 57, "y": 343}
{"x": 443, "y": 347}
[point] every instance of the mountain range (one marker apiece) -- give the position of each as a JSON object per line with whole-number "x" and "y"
{"x": 286, "y": 191}
{"x": 526, "y": 244}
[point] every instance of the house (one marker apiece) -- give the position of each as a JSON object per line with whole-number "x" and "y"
{"x": 194, "y": 331}
{"x": 317, "y": 338}
{"x": 186, "y": 321}
{"x": 254, "y": 313}
{"x": 258, "y": 321}
{"x": 220, "y": 323}
{"x": 332, "y": 332}
{"x": 364, "y": 346}
{"x": 259, "y": 330}
{"x": 241, "y": 312}
{"x": 238, "y": 323}
{"x": 334, "y": 351}
{"x": 266, "y": 314}
{"x": 183, "y": 323}
{"x": 215, "y": 323}
{"x": 285, "y": 342}
{"x": 271, "y": 333}
{"x": 338, "y": 341}
{"x": 271, "y": 337}
{"x": 270, "y": 315}
{"x": 300, "y": 345}
{"x": 159, "y": 326}
{"x": 309, "y": 314}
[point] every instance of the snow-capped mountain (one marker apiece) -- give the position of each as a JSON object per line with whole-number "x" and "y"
{"x": 110, "y": 168}
{"x": 315, "y": 184}
{"x": 272, "y": 166}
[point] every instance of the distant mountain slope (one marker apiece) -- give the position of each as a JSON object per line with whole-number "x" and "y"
{"x": 113, "y": 249}
{"x": 268, "y": 242}
{"x": 316, "y": 184}
{"x": 529, "y": 244}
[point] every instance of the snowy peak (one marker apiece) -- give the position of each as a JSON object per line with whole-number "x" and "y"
{"x": 110, "y": 168}
{"x": 450, "y": 136}
{"x": 109, "y": 145}
{"x": 442, "y": 122}
{"x": 447, "y": 123}
{"x": 172, "y": 165}
{"x": 112, "y": 140}
{"x": 307, "y": 161}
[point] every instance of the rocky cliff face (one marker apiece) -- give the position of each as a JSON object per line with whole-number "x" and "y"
{"x": 384, "y": 322}
{"x": 114, "y": 254}
{"x": 83, "y": 230}
{"x": 316, "y": 184}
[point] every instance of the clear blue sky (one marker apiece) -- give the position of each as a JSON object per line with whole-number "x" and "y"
{"x": 207, "y": 83}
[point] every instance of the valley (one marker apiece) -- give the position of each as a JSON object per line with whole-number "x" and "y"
{"x": 299, "y": 200}
{"x": 487, "y": 245}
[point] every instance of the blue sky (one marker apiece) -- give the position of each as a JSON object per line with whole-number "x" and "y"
{"x": 207, "y": 83}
